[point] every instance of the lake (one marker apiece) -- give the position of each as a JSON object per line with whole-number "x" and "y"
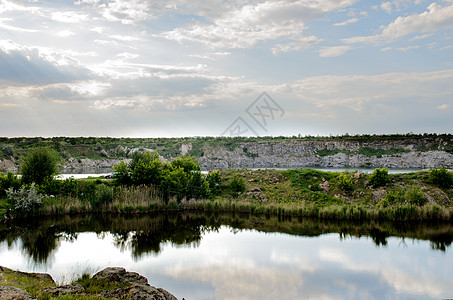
{"x": 242, "y": 256}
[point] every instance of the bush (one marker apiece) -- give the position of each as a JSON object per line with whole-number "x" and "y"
{"x": 237, "y": 185}
{"x": 39, "y": 165}
{"x": 441, "y": 177}
{"x": 102, "y": 196}
{"x": 380, "y": 177}
{"x": 345, "y": 182}
{"x": 214, "y": 180}
{"x": 415, "y": 196}
{"x": 10, "y": 180}
{"x": 24, "y": 201}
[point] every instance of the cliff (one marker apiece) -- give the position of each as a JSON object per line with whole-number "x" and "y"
{"x": 412, "y": 153}
{"x": 393, "y": 151}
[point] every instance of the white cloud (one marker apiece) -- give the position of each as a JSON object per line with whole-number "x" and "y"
{"x": 69, "y": 17}
{"x": 387, "y": 6}
{"x": 334, "y": 51}
{"x": 244, "y": 27}
{"x": 65, "y": 33}
{"x": 443, "y": 106}
{"x": 436, "y": 18}
{"x": 349, "y": 21}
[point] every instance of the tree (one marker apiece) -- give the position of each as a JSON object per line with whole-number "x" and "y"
{"x": 39, "y": 165}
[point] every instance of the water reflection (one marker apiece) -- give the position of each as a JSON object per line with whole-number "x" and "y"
{"x": 144, "y": 234}
{"x": 241, "y": 256}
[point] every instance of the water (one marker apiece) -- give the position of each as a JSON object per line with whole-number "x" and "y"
{"x": 221, "y": 256}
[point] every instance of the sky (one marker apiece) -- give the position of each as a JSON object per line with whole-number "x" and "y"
{"x": 176, "y": 68}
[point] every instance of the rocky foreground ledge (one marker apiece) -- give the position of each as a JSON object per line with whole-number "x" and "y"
{"x": 133, "y": 286}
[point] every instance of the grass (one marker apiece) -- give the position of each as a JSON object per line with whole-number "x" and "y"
{"x": 299, "y": 192}
{"x": 28, "y": 282}
{"x": 33, "y": 284}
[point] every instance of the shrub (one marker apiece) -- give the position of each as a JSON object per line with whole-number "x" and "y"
{"x": 188, "y": 163}
{"x": 39, "y": 165}
{"x": 102, "y": 196}
{"x": 10, "y": 180}
{"x": 414, "y": 195}
{"x": 24, "y": 201}
{"x": 441, "y": 177}
{"x": 237, "y": 185}
{"x": 345, "y": 182}
{"x": 395, "y": 197}
{"x": 214, "y": 180}
{"x": 380, "y": 177}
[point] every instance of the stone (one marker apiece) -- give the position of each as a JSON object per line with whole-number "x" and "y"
{"x": 117, "y": 274}
{"x": 138, "y": 292}
{"x": 13, "y": 293}
{"x": 70, "y": 289}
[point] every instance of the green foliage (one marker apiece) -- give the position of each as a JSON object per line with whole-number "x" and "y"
{"x": 179, "y": 179}
{"x": 308, "y": 179}
{"x": 441, "y": 177}
{"x": 380, "y": 177}
{"x": 379, "y": 152}
{"x": 393, "y": 197}
{"x": 40, "y": 164}
{"x": 415, "y": 196}
{"x": 345, "y": 182}
{"x": 7, "y": 150}
{"x": 122, "y": 174}
{"x": 103, "y": 195}
{"x": 187, "y": 163}
{"x": 10, "y": 180}
{"x": 24, "y": 201}
{"x": 214, "y": 180}
{"x": 237, "y": 185}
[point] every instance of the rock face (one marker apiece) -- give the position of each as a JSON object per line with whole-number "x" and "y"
{"x": 136, "y": 287}
{"x": 84, "y": 163}
{"x": 299, "y": 154}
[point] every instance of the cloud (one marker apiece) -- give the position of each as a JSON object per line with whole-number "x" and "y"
{"x": 68, "y": 17}
{"x": 443, "y": 106}
{"x": 334, "y": 51}
{"x": 245, "y": 26}
{"x": 349, "y": 21}
{"x": 435, "y": 18}
{"x": 22, "y": 65}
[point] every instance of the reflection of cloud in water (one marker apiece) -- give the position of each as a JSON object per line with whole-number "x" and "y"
{"x": 241, "y": 280}
{"x": 410, "y": 281}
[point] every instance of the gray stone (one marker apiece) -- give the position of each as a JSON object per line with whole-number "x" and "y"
{"x": 13, "y": 293}
{"x": 70, "y": 289}
{"x": 138, "y": 292}
{"x": 117, "y": 274}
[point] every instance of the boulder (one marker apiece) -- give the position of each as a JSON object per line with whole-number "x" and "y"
{"x": 13, "y": 293}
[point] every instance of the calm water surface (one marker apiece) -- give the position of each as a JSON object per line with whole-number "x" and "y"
{"x": 210, "y": 256}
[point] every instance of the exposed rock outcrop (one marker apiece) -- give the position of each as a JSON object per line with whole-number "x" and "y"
{"x": 299, "y": 154}
{"x": 136, "y": 286}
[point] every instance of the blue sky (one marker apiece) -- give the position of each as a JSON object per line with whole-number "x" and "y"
{"x": 192, "y": 68}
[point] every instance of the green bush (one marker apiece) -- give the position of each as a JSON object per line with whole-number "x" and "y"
{"x": 237, "y": 185}
{"x": 39, "y": 165}
{"x": 214, "y": 180}
{"x": 415, "y": 196}
{"x": 441, "y": 177}
{"x": 345, "y": 182}
{"x": 24, "y": 201}
{"x": 103, "y": 195}
{"x": 380, "y": 177}
{"x": 395, "y": 197}
{"x": 10, "y": 180}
